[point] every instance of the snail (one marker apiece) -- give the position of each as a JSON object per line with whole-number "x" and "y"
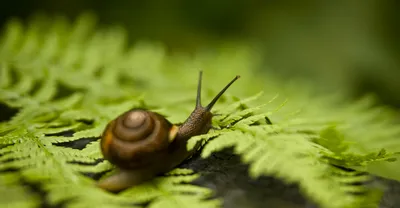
{"x": 144, "y": 144}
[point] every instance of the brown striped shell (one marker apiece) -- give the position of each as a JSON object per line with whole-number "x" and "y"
{"x": 132, "y": 139}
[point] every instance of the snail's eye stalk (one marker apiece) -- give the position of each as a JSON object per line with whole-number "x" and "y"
{"x": 211, "y": 104}
{"x": 198, "y": 98}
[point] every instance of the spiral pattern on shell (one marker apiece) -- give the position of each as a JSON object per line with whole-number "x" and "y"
{"x": 134, "y": 138}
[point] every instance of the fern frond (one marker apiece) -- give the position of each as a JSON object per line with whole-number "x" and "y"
{"x": 279, "y": 149}
{"x": 173, "y": 191}
{"x": 19, "y": 195}
{"x": 68, "y": 80}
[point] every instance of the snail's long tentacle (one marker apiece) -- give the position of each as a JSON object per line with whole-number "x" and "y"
{"x": 213, "y": 101}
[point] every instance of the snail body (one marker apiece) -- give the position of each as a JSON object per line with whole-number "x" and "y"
{"x": 143, "y": 144}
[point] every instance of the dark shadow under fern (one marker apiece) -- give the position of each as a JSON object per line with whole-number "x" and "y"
{"x": 64, "y": 91}
{"x": 77, "y": 144}
{"x": 6, "y": 112}
{"x": 224, "y": 173}
{"x": 228, "y": 177}
{"x": 391, "y": 198}
{"x": 35, "y": 188}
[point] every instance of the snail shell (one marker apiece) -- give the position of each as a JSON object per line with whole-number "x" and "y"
{"x": 134, "y": 138}
{"x": 143, "y": 143}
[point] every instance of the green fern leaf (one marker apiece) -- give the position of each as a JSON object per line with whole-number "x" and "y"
{"x": 169, "y": 192}
{"x": 68, "y": 80}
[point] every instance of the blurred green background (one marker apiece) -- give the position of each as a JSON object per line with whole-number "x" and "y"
{"x": 351, "y": 45}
